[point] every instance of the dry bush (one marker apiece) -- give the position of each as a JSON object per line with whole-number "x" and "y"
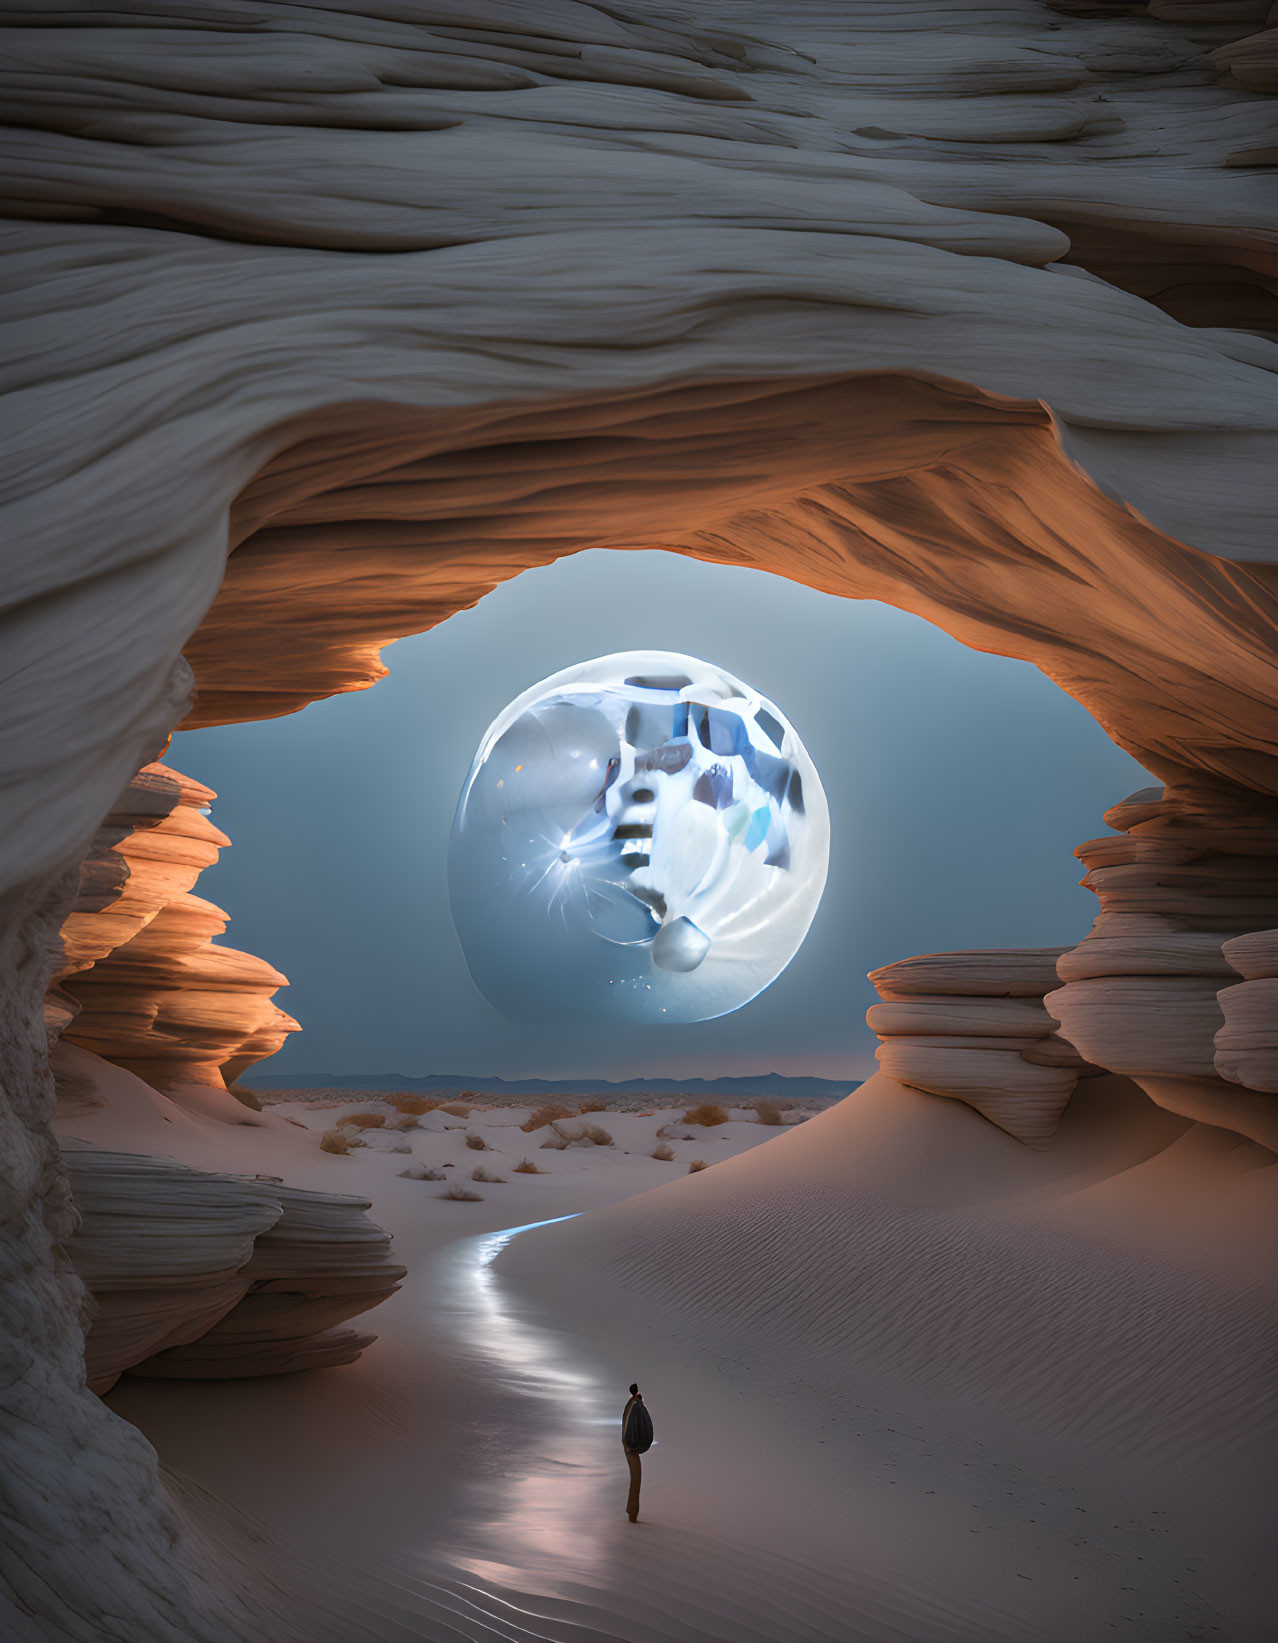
{"x": 596, "y": 1133}
{"x": 459, "y": 1190}
{"x": 479, "y": 1173}
{"x": 595, "y": 1104}
{"x": 458, "y": 1109}
{"x": 405, "y": 1121}
{"x": 363, "y": 1120}
{"x": 663, "y": 1153}
{"x": 769, "y": 1112}
{"x": 709, "y": 1112}
{"x": 697, "y": 1164}
{"x": 476, "y": 1143}
{"x": 545, "y": 1115}
{"x": 526, "y": 1166}
{"x": 334, "y": 1141}
{"x": 554, "y": 1143}
{"x": 415, "y": 1105}
{"x": 423, "y": 1172}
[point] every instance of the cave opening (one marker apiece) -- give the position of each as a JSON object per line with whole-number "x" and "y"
{"x": 962, "y": 782}
{"x": 955, "y": 507}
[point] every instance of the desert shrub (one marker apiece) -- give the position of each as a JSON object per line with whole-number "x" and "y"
{"x": 544, "y": 1115}
{"x": 596, "y": 1133}
{"x": 554, "y": 1143}
{"x": 709, "y": 1112}
{"x": 334, "y": 1141}
{"x": 460, "y": 1191}
{"x": 414, "y": 1105}
{"x": 595, "y": 1104}
{"x": 457, "y": 1109}
{"x": 362, "y": 1120}
{"x": 768, "y": 1111}
{"x": 697, "y": 1164}
{"x": 526, "y": 1166}
{"x": 422, "y": 1172}
{"x": 479, "y": 1173}
{"x": 663, "y": 1152}
{"x": 476, "y": 1142}
{"x": 405, "y": 1121}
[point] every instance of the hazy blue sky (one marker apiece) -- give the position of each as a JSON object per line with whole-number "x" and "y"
{"x": 958, "y": 786}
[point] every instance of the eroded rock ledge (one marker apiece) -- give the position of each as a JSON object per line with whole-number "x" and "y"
{"x": 1188, "y": 890}
{"x": 199, "y": 1274}
{"x": 143, "y": 983}
{"x": 411, "y": 293}
{"x": 1190, "y": 870}
{"x": 973, "y": 1026}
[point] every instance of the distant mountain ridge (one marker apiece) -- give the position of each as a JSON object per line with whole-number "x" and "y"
{"x": 774, "y": 1086}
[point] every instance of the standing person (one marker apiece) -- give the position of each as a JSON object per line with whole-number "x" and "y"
{"x": 636, "y": 1439}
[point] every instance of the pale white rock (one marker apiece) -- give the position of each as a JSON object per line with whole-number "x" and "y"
{"x": 814, "y": 259}
{"x": 973, "y": 1026}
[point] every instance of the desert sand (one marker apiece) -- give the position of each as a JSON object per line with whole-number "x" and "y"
{"x": 884, "y": 1349}
{"x": 326, "y": 322}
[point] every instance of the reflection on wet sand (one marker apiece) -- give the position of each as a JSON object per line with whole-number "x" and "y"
{"x": 556, "y": 1456}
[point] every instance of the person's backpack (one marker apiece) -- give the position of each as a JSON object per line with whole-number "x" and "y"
{"x": 637, "y": 1434}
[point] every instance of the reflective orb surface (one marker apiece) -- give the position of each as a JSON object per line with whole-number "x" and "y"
{"x": 641, "y": 837}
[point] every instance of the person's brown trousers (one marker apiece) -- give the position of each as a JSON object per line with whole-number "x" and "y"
{"x": 636, "y": 1477}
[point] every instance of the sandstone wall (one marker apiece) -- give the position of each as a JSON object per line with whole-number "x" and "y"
{"x": 394, "y": 306}
{"x": 142, "y": 982}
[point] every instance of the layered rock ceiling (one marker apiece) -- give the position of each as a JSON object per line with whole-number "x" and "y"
{"x": 966, "y": 309}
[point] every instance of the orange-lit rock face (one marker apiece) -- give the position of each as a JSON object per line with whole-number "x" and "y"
{"x": 421, "y": 306}
{"x": 153, "y": 844}
{"x": 956, "y": 505}
{"x": 143, "y": 983}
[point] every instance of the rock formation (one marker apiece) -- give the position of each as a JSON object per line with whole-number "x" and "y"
{"x": 142, "y": 982}
{"x": 1247, "y": 1044}
{"x": 966, "y": 312}
{"x": 193, "y": 1273}
{"x": 973, "y": 1026}
{"x": 1191, "y": 870}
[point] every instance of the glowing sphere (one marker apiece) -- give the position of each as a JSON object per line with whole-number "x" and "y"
{"x": 642, "y": 837}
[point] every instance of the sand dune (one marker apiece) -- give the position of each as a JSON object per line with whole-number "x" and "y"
{"x": 895, "y": 1268}
{"x": 912, "y": 1381}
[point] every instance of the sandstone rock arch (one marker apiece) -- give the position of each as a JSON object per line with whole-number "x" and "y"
{"x": 396, "y": 305}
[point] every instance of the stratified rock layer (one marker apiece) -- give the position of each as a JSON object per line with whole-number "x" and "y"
{"x": 194, "y": 1273}
{"x": 1247, "y": 1044}
{"x": 1192, "y": 869}
{"x": 972, "y": 1026}
{"x": 143, "y": 983}
{"x": 871, "y": 297}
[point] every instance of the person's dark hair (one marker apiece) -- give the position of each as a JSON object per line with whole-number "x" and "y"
{"x": 634, "y": 1389}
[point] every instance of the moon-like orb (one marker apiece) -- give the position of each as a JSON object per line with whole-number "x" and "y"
{"x": 642, "y": 837}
